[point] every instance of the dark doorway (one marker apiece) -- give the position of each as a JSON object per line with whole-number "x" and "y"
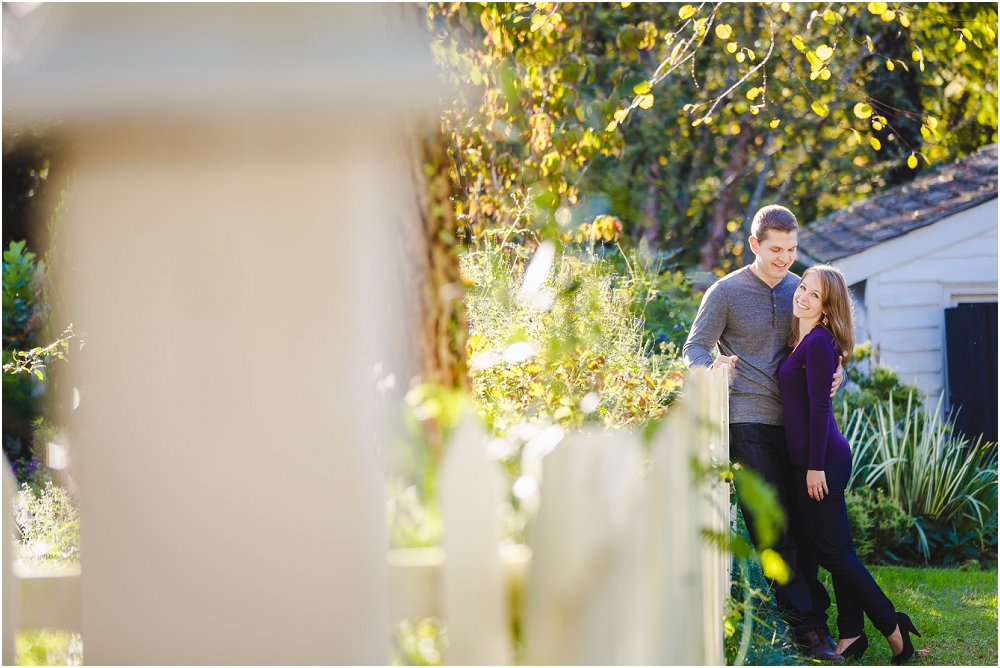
{"x": 971, "y": 338}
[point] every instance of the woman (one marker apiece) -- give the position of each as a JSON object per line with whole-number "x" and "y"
{"x": 822, "y": 329}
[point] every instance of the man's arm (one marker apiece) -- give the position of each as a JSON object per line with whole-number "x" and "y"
{"x": 707, "y": 328}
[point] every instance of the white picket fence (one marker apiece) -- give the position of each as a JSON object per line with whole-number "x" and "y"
{"x": 616, "y": 570}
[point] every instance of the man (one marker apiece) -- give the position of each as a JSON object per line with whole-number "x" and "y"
{"x": 748, "y": 314}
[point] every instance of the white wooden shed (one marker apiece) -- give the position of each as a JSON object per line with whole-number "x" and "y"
{"x": 910, "y": 254}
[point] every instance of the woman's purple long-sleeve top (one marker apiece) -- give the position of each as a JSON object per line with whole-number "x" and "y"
{"x": 805, "y": 375}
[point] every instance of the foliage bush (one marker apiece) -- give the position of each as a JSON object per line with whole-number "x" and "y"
{"x": 580, "y": 358}
{"x": 49, "y": 528}
{"x": 48, "y": 647}
{"x": 935, "y": 475}
{"x": 878, "y": 525}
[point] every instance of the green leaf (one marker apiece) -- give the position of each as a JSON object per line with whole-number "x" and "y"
{"x": 820, "y": 109}
{"x": 798, "y": 43}
{"x": 38, "y": 372}
{"x": 641, "y": 88}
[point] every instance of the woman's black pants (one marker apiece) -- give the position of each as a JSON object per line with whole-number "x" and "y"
{"x": 829, "y": 535}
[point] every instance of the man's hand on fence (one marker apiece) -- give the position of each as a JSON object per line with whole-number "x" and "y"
{"x": 728, "y": 361}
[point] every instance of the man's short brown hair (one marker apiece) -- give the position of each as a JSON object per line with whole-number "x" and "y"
{"x": 772, "y": 217}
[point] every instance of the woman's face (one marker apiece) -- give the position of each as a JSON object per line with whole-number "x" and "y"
{"x": 808, "y": 303}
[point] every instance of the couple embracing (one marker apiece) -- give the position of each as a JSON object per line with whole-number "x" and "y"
{"x": 783, "y": 338}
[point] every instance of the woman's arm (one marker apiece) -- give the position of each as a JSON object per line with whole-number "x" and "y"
{"x": 821, "y": 362}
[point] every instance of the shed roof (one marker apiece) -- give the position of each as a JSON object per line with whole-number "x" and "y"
{"x": 927, "y": 199}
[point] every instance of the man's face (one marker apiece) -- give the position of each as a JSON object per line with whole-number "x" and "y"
{"x": 776, "y": 253}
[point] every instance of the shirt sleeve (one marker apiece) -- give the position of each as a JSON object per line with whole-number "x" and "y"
{"x": 707, "y": 328}
{"x": 821, "y": 363}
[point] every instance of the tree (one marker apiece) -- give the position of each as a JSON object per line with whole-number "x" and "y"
{"x": 681, "y": 120}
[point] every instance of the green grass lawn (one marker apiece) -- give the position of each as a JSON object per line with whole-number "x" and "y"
{"x": 955, "y": 610}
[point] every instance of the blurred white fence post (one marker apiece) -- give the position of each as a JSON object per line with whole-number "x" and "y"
{"x": 473, "y": 592}
{"x": 11, "y": 590}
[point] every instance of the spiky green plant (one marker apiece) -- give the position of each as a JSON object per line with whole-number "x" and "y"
{"x": 928, "y": 469}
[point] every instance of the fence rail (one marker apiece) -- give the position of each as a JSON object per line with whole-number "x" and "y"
{"x": 616, "y": 570}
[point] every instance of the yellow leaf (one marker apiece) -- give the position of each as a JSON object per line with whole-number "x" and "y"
{"x": 611, "y": 126}
{"x": 814, "y": 75}
{"x": 774, "y": 566}
{"x": 751, "y": 55}
{"x": 876, "y": 125}
{"x": 862, "y": 110}
{"x": 967, "y": 34}
{"x": 754, "y": 110}
{"x": 686, "y": 12}
{"x": 662, "y": 160}
{"x": 646, "y": 101}
{"x": 775, "y": 123}
{"x": 825, "y": 74}
{"x": 868, "y": 41}
{"x": 824, "y": 52}
{"x": 911, "y": 162}
{"x": 687, "y": 107}
{"x": 877, "y": 8}
{"x": 798, "y": 43}
{"x": 876, "y": 144}
{"x": 708, "y": 120}
{"x": 785, "y": 7}
{"x": 732, "y": 46}
{"x": 740, "y": 57}
{"x": 903, "y": 21}
{"x": 889, "y": 65}
{"x": 857, "y": 137}
{"x": 925, "y": 132}
{"x": 723, "y": 31}
{"x": 917, "y": 55}
{"x": 621, "y": 114}
{"x": 821, "y": 109}
{"x": 697, "y": 122}
{"x": 753, "y": 93}
{"x": 641, "y": 88}
{"x": 626, "y": 4}
{"x": 888, "y": 15}
{"x": 932, "y": 122}
{"x": 960, "y": 45}
{"x": 921, "y": 65}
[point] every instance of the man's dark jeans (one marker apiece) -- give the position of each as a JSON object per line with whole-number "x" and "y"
{"x": 761, "y": 449}
{"x": 829, "y": 535}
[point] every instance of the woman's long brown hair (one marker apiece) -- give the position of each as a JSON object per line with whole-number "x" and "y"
{"x": 836, "y": 299}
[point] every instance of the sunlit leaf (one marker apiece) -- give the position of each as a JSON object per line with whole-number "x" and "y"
{"x": 876, "y": 144}
{"x": 611, "y": 126}
{"x": 723, "y": 31}
{"x": 824, "y": 52}
{"x": 626, "y": 4}
{"x": 831, "y": 17}
{"x": 686, "y": 12}
{"x": 732, "y": 46}
{"x": 889, "y": 65}
{"x": 888, "y": 15}
{"x": 903, "y": 21}
{"x": 646, "y": 101}
{"x": 862, "y": 110}
{"x": 641, "y": 88}
{"x": 960, "y": 45}
{"x": 621, "y": 114}
{"x": 798, "y": 43}
{"x": 775, "y": 123}
{"x": 877, "y": 8}
{"x": 753, "y": 93}
{"x": 825, "y": 74}
{"x": 925, "y": 132}
{"x": 820, "y": 109}
{"x": 932, "y": 122}
{"x": 868, "y": 41}
{"x": 785, "y": 7}
{"x": 773, "y": 565}
{"x": 917, "y": 55}
{"x": 911, "y": 162}
{"x": 876, "y": 125}
{"x": 740, "y": 57}
{"x": 754, "y": 110}
{"x": 967, "y": 33}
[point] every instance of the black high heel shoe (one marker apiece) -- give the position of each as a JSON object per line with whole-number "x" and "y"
{"x": 906, "y": 627}
{"x": 856, "y": 648}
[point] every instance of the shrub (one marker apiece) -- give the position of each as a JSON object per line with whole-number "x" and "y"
{"x": 568, "y": 351}
{"x": 49, "y": 526}
{"x": 869, "y": 385}
{"x": 878, "y": 524}
{"x": 936, "y": 476}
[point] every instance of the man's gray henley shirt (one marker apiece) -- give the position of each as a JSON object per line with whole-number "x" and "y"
{"x": 749, "y": 319}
